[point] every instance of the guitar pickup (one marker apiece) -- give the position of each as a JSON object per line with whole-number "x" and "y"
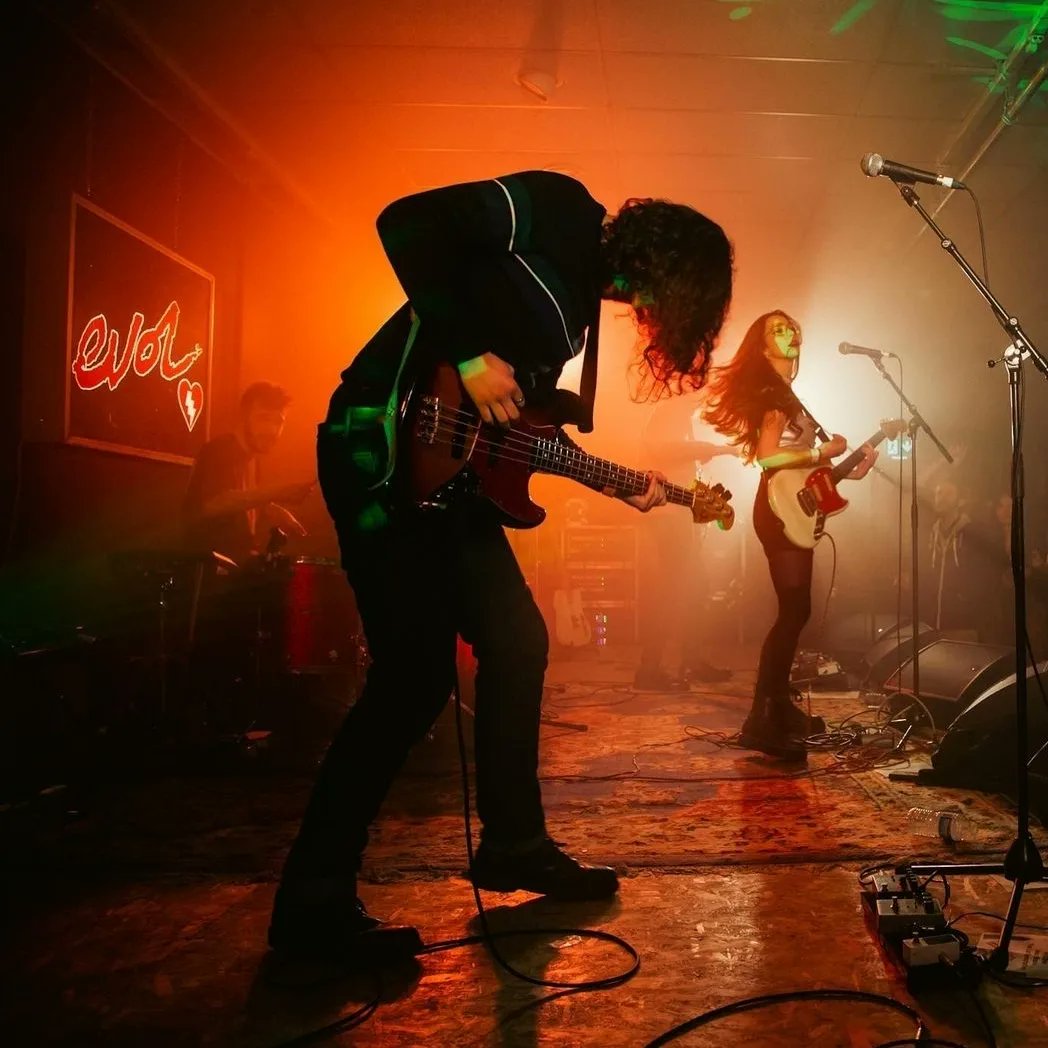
{"x": 807, "y": 502}
{"x": 428, "y": 420}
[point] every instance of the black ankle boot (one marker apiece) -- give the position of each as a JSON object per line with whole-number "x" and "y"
{"x": 545, "y": 870}
{"x": 771, "y": 728}
{"x": 334, "y": 926}
{"x": 801, "y": 722}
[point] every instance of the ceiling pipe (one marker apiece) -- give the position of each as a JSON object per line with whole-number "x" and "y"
{"x": 139, "y": 35}
{"x": 1007, "y": 117}
{"x": 1004, "y": 72}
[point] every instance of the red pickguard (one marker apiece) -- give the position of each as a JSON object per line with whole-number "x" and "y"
{"x": 822, "y": 488}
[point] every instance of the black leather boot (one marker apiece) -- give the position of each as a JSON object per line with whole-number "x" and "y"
{"x": 544, "y": 869}
{"x": 327, "y": 924}
{"x": 771, "y": 727}
{"x": 803, "y": 724}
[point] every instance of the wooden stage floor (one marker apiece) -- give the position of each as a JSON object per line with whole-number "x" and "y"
{"x": 142, "y": 923}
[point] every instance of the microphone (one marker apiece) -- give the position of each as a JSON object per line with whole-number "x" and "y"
{"x": 845, "y": 348}
{"x": 873, "y": 164}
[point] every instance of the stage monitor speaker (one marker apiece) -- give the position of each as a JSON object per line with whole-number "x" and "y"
{"x": 978, "y": 750}
{"x": 849, "y": 637}
{"x": 884, "y": 656}
{"x": 953, "y": 674}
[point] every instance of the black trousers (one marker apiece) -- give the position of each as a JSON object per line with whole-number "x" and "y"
{"x": 419, "y": 583}
{"x": 791, "y": 574}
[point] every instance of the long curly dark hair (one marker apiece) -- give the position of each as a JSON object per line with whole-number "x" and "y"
{"x": 744, "y": 389}
{"x": 680, "y": 261}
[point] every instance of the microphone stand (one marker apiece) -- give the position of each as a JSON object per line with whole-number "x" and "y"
{"x": 1022, "y": 864}
{"x": 917, "y": 422}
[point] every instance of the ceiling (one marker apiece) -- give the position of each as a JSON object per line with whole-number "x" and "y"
{"x": 756, "y": 113}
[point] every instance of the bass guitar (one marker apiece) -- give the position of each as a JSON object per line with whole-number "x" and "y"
{"x": 442, "y": 445}
{"x": 803, "y": 498}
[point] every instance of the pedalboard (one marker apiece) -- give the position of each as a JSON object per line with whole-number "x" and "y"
{"x": 817, "y": 670}
{"x": 923, "y": 950}
{"x": 899, "y": 916}
{"x": 910, "y": 924}
{"x": 898, "y": 906}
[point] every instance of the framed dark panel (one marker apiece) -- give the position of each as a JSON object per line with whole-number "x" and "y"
{"x": 138, "y": 375}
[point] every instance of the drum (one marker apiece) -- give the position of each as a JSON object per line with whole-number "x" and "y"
{"x": 320, "y": 625}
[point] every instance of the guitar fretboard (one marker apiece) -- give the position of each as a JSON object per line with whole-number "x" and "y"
{"x": 551, "y": 456}
{"x": 845, "y": 466}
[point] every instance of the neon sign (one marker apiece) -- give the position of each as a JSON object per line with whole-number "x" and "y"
{"x": 139, "y": 342}
{"x": 190, "y": 401}
{"x": 98, "y": 360}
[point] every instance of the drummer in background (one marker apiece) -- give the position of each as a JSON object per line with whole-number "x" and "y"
{"x": 227, "y": 507}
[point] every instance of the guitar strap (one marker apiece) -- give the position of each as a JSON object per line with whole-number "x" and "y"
{"x": 588, "y": 381}
{"x": 820, "y": 430}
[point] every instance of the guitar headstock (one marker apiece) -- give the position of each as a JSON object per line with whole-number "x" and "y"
{"x": 712, "y": 504}
{"x": 893, "y": 428}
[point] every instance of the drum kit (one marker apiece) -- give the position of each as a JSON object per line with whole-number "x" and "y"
{"x": 271, "y": 651}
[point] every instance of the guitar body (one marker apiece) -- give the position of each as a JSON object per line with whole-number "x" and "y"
{"x": 802, "y": 499}
{"x": 443, "y": 443}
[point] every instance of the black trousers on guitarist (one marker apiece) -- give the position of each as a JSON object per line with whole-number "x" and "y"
{"x": 431, "y": 576}
{"x": 791, "y": 574}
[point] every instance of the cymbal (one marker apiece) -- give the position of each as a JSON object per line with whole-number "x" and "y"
{"x": 166, "y": 561}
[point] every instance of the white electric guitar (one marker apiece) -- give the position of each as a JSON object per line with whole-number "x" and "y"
{"x": 572, "y": 623}
{"x": 803, "y": 498}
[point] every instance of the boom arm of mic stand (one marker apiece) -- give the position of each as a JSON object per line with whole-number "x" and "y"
{"x": 916, "y": 417}
{"x": 1012, "y": 327}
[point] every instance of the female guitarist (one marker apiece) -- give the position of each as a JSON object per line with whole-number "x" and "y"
{"x": 503, "y": 280}
{"x": 751, "y": 401}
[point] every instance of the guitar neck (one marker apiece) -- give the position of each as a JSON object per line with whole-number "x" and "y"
{"x": 563, "y": 460}
{"x": 845, "y": 466}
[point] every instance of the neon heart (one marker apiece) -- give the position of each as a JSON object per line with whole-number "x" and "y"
{"x": 191, "y": 401}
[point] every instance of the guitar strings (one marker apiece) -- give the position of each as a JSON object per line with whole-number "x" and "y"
{"x": 566, "y": 453}
{"x": 566, "y": 466}
{"x": 448, "y": 412}
{"x": 498, "y": 449}
{"x": 527, "y": 442}
{"x": 574, "y": 470}
{"x": 466, "y": 418}
{"x": 524, "y": 448}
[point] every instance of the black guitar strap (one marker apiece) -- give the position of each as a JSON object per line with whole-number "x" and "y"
{"x": 820, "y": 430}
{"x": 588, "y": 381}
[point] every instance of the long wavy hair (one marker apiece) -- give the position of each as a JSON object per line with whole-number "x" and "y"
{"x": 744, "y": 389}
{"x": 681, "y": 263}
